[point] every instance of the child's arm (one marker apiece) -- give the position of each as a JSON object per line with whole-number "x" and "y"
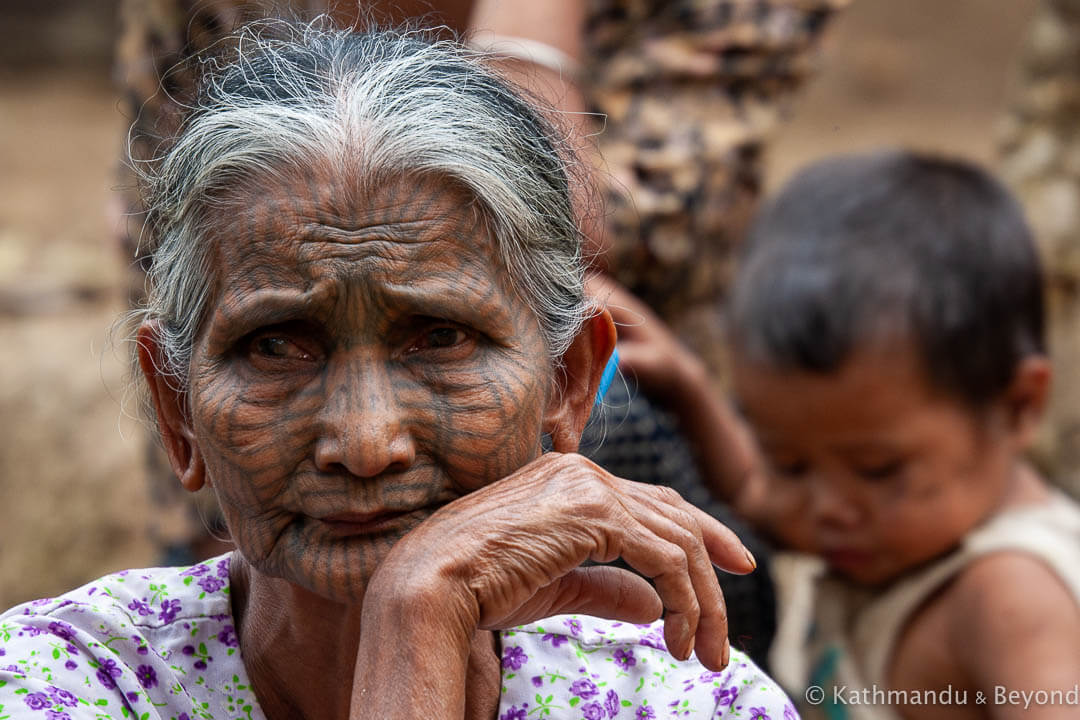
{"x": 1016, "y": 629}
{"x": 723, "y": 446}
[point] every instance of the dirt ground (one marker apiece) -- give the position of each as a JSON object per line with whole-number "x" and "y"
{"x": 73, "y": 503}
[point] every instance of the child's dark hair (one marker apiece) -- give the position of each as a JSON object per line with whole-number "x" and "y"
{"x": 893, "y": 244}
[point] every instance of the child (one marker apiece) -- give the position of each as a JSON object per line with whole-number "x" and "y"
{"x": 888, "y": 353}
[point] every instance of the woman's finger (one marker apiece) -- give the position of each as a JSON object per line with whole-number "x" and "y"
{"x": 599, "y": 590}
{"x": 670, "y": 517}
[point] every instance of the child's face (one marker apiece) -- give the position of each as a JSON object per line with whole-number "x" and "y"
{"x": 885, "y": 473}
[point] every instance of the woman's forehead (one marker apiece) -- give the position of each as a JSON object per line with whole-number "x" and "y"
{"x": 422, "y": 240}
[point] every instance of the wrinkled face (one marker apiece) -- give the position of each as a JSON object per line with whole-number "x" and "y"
{"x": 363, "y": 364}
{"x": 887, "y": 474}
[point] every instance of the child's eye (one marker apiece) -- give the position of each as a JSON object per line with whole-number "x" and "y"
{"x": 791, "y": 469}
{"x": 881, "y": 471}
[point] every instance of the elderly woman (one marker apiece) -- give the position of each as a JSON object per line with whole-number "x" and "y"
{"x": 367, "y": 310}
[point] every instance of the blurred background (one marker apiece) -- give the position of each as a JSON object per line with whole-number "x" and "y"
{"x": 930, "y": 74}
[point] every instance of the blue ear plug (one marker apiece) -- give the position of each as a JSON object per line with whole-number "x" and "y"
{"x": 607, "y": 378}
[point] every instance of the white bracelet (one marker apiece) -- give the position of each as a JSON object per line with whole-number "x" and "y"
{"x": 527, "y": 50}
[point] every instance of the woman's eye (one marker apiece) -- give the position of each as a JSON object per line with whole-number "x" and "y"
{"x": 444, "y": 337}
{"x": 278, "y": 347}
{"x": 440, "y": 337}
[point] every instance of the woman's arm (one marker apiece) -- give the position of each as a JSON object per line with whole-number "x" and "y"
{"x": 511, "y": 552}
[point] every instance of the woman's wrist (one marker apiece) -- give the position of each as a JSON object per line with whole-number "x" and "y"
{"x": 414, "y": 650}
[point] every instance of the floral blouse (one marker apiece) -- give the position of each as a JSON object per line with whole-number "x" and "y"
{"x": 160, "y": 644}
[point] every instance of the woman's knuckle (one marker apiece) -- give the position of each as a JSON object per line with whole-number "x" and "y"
{"x": 668, "y": 495}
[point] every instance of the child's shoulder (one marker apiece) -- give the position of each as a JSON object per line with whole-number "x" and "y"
{"x": 1023, "y": 566}
{"x": 1010, "y": 617}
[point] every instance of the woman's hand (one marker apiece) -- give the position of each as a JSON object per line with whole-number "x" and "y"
{"x": 510, "y": 553}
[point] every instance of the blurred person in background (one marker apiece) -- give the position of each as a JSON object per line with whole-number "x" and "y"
{"x": 889, "y": 355}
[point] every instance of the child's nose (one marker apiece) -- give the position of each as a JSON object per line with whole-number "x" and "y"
{"x": 832, "y": 507}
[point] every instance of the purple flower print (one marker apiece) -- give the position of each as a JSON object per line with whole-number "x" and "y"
{"x": 146, "y": 675}
{"x": 211, "y": 584}
{"x": 227, "y": 636}
{"x": 183, "y": 716}
{"x": 644, "y": 712}
{"x": 53, "y": 715}
{"x": 625, "y": 659}
{"x": 758, "y": 713}
{"x": 37, "y": 701}
{"x": 62, "y": 630}
{"x": 62, "y": 697}
{"x": 12, "y": 669}
{"x": 169, "y": 610}
{"x": 584, "y": 688}
{"x": 514, "y": 713}
{"x": 223, "y": 568}
{"x": 725, "y": 695}
{"x": 789, "y": 712}
{"x": 611, "y": 703}
{"x": 593, "y": 711}
{"x": 71, "y": 664}
{"x": 140, "y": 606}
{"x": 3, "y": 652}
{"x": 653, "y": 639}
{"x": 537, "y": 681}
{"x": 196, "y": 570}
{"x": 574, "y": 625}
{"x": 107, "y": 671}
{"x": 514, "y": 658}
{"x": 555, "y": 640}
{"x": 133, "y": 697}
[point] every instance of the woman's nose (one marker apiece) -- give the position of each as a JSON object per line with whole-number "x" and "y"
{"x": 362, "y": 425}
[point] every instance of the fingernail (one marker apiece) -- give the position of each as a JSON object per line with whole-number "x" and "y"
{"x": 727, "y": 653}
{"x": 750, "y": 558}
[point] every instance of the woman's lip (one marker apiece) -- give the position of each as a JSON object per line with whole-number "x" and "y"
{"x": 345, "y": 524}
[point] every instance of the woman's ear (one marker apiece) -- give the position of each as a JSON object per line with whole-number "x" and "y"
{"x": 170, "y": 404}
{"x": 1027, "y": 396}
{"x": 582, "y": 367}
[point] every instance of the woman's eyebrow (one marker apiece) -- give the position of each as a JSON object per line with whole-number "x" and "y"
{"x": 453, "y": 301}
{"x": 243, "y": 312}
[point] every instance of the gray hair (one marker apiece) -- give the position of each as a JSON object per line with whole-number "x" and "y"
{"x": 388, "y": 103}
